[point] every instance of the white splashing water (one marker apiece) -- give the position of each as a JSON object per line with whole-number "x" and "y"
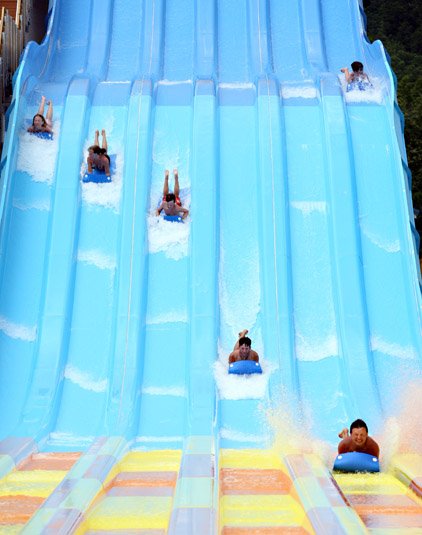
{"x": 97, "y": 259}
{"x": 169, "y": 237}
{"x": 401, "y": 432}
{"x": 232, "y": 386}
{"x": 239, "y": 297}
{"x": 106, "y": 194}
{"x": 84, "y": 380}
{"x": 168, "y": 156}
{"x": 311, "y": 349}
{"x": 175, "y": 391}
{"x": 390, "y": 246}
{"x": 236, "y": 85}
{"x": 37, "y": 156}
{"x": 173, "y": 82}
{"x": 374, "y": 94}
{"x": 393, "y": 349}
{"x": 291, "y": 91}
{"x": 69, "y": 439}
{"x": 308, "y": 207}
{"x": 167, "y": 317}
{"x": 237, "y": 436}
{"x": 164, "y": 439}
{"x": 43, "y": 205}
{"x": 17, "y": 331}
{"x": 234, "y": 278}
{"x": 292, "y": 430}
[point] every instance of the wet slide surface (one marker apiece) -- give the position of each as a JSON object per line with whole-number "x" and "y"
{"x": 115, "y": 325}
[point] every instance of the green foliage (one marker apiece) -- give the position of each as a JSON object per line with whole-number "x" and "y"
{"x": 398, "y": 24}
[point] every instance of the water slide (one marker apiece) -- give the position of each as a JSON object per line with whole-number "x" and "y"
{"x": 115, "y": 325}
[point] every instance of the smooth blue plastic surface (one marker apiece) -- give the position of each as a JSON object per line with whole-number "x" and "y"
{"x": 245, "y": 367}
{"x": 356, "y": 462}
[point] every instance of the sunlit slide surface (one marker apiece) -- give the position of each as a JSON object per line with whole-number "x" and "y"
{"x": 118, "y": 414}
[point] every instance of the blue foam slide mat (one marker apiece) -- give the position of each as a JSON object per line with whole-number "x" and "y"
{"x": 355, "y": 461}
{"x": 96, "y": 176}
{"x": 100, "y": 177}
{"x": 245, "y": 367}
{"x": 43, "y": 135}
{"x": 173, "y": 218}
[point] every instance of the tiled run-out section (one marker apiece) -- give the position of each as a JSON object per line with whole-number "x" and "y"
{"x": 408, "y": 469}
{"x": 257, "y": 496}
{"x": 385, "y": 505}
{"x": 193, "y": 510}
{"x": 138, "y": 495}
{"x": 24, "y": 489}
{"x": 160, "y": 492}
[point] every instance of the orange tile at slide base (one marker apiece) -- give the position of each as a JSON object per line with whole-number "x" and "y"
{"x": 387, "y": 510}
{"x": 265, "y": 531}
{"x": 391, "y": 510}
{"x": 144, "y": 479}
{"x": 249, "y": 481}
{"x": 384, "y": 503}
{"x": 387, "y": 521}
{"x": 18, "y": 509}
{"x": 50, "y": 461}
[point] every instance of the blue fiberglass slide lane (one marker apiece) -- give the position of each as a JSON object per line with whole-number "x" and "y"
{"x": 24, "y": 230}
{"x": 91, "y": 323}
{"x": 101, "y": 360}
{"x": 287, "y": 46}
{"x": 52, "y": 334}
{"x": 167, "y": 311}
{"x": 333, "y": 340}
{"x": 389, "y": 279}
{"x": 180, "y": 308}
{"x": 56, "y": 278}
{"x": 85, "y": 385}
{"x": 318, "y": 347}
{"x": 29, "y": 224}
{"x": 305, "y": 271}
{"x": 103, "y": 371}
{"x": 128, "y": 382}
{"x": 240, "y": 421}
{"x": 173, "y": 313}
{"x": 392, "y": 290}
{"x": 239, "y": 274}
{"x": 60, "y": 297}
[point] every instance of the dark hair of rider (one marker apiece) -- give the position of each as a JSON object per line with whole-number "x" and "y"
{"x": 357, "y": 424}
{"x": 357, "y": 66}
{"x": 95, "y": 149}
{"x": 245, "y": 340}
{"x": 44, "y": 122}
{"x": 170, "y": 197}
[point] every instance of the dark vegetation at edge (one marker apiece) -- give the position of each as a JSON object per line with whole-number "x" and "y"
{"x": 398, "y": 24}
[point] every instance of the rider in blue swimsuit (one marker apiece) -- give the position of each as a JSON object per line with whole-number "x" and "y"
{"x": 357, "y": 79}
